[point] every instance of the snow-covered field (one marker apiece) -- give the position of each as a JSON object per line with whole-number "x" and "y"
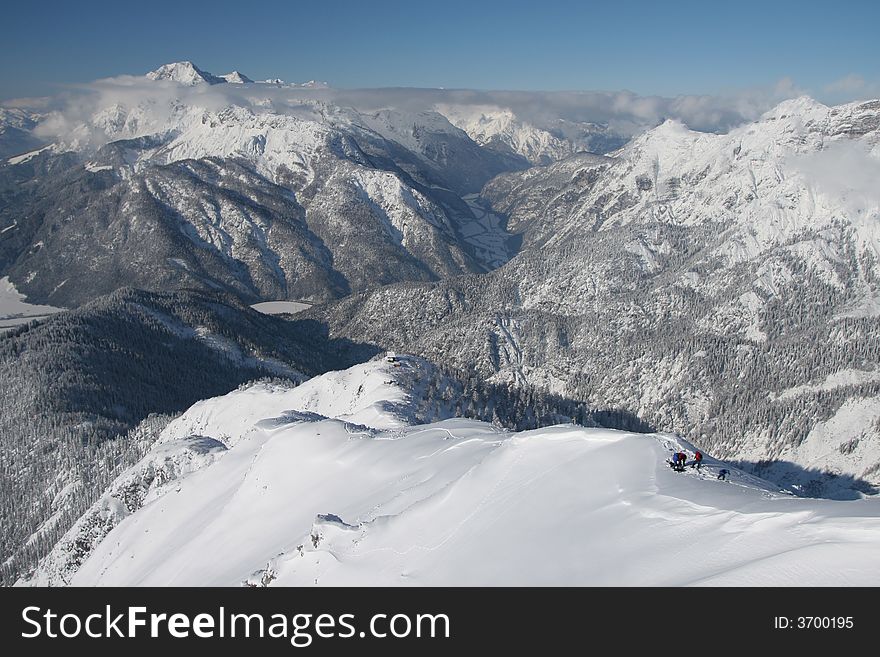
{"x": 281, "y": 307}
{"x": 333, "y": 483}
{"x": 14, "y": 310}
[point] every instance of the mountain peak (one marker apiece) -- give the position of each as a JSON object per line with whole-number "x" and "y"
{"x": 314, "y": 84}
{"x": 185, "y": 73}
{"x": 800, "y": 106}
{"x": 236, "y": 78}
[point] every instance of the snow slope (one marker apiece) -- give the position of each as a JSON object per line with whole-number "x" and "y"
{"x": 334, "y": 483}
{"x": 14, "y": 310}
{"x": 281, "y": 307}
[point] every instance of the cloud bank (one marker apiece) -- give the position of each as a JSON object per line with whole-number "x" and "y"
{"x": 847, "y": 170}
{"x": 71, "y": 115}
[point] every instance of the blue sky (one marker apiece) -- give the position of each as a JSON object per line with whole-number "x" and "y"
{"x": 665, "y": 48}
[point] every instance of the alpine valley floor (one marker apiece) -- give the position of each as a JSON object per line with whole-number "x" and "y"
{"x": 335, "y": 482}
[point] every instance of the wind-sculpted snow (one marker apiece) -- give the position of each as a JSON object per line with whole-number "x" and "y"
{"x": 365, "y": 398}
{"x": 302, "y": 499}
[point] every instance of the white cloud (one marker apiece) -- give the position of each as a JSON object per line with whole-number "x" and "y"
{"x": 623, "y": 111}
{"x": 845, "y": 170}
{"x": 848, "y": 84}
{"x": 850, "y": 88}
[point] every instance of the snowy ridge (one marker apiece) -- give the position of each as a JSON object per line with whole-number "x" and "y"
{"x": 333, "y": 483}
{"x": 495, "y": 125}
{"x": 236, "y": 78}
{"x": 364, "y": 398}
{"x": 185, "y": 73}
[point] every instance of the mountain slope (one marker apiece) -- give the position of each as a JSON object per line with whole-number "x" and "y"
{"x": 193, "y": 188}
{"x": 721, "y": 286}
{"x": 278, "y": 494}
{"x": 80, "y": 392}
{"x": 16, "y": 132}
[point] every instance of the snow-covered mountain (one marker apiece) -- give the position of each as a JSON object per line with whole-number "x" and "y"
{"x": 500, "y": 129}
{"x": 724, "y": 286}
{"x": 765, "y": 177}
{"x": 236, "y": 78}
{"x": 85, "y": 391}
{"x": 720, "y": 286}
{"x": 16, "y": 132}
{"x": 185, "y": 73}
{"x": 494, "y": 126}
{"x": 339, "y": 482}
{"x": 267, "y": 200}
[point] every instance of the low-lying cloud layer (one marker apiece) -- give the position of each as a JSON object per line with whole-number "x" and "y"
{"x": 623, "y": 112}
{"x": 846, "y": 170}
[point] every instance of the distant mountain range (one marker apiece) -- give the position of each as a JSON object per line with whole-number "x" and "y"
{"x": 310, "y": 204}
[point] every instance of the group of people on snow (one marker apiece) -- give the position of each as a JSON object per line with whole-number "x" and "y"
{"x": 680, "y": 460}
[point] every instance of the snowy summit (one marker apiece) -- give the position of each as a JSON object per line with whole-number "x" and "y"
{"x": 357, "y": 478}
{"x": 185, "y": 73}
{"x": 190, "y": 75}
{"x": 236, "y": 78}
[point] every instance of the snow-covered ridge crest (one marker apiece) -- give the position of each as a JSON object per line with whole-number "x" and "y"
{"x": 236, "y": 78}
{"x": 185, "y": 73}
{"x": 379, "y": 395}
{"x": 188, "y": 74}
{"x": 487, "y": 125}
{"x": 335, "y": 482}
{"x": 763, "y": 178}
